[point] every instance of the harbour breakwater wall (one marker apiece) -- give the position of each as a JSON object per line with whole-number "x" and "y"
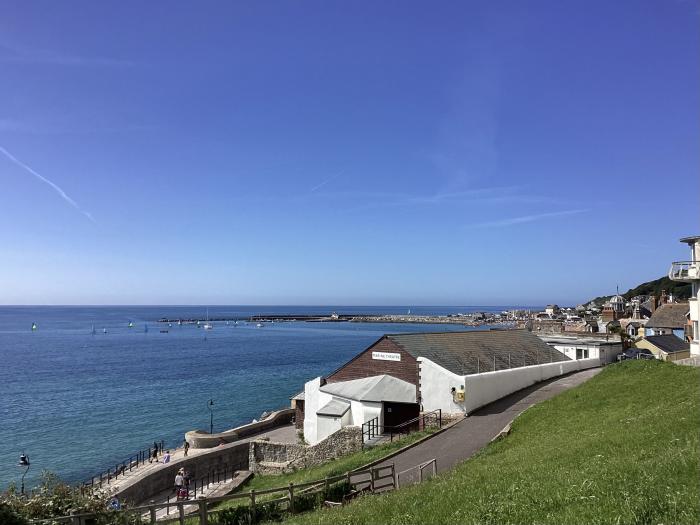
{"x": 233, "y": 456}
{"x": 203, "y": 439}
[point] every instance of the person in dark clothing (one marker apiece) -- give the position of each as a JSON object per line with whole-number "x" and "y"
{"x": 186, "y": 446}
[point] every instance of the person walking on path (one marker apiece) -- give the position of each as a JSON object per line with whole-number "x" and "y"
{"x": 154, "y": 456}
{"x": 179, "y": 482}
{"x": 186, "y": 446}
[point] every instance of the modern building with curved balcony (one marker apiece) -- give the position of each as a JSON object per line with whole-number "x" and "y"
{"x": 689, "y": 272}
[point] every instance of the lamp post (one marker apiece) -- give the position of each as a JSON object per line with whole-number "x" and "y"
{"x": 211, "y": 416}
{"x": 24, "y": 462}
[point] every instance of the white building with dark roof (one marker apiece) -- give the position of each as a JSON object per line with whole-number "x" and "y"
{"x": 689, "y": 272}
{"x": 400, "y": 376}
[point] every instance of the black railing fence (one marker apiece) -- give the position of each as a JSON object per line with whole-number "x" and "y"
{"x": 112, "y": 473}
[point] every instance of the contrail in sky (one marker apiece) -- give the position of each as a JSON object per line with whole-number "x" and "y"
{"x": 58, "y": 189}
{"x": 322, "y": 184}
{"x": 526, "y": 218}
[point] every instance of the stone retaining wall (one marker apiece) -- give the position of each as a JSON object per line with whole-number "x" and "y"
{"x": 233, "y": 456}
{"x": 274, "y": 458}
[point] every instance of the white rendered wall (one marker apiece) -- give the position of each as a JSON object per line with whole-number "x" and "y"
{"x": 482, "y": 389}
{"x": 313, "y": 400}
{"x": 327, "y": 425}
{"x": 436, "y": 384}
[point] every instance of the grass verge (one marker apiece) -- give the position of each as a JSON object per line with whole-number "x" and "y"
{"x": 621, "y": 448}
{"x": 332, "y": 468}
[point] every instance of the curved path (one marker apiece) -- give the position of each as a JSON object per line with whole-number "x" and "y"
{"x": 474, "y": 432}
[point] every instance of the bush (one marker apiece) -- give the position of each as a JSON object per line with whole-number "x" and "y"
{"x": 53, "y": 499}
{"x": 8, "y": 516}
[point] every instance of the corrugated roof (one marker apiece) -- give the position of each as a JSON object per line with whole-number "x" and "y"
{"x": 668, "y": 343}
{"x": 335, "y": 408}
{"x": 471, "y": 352}
{"x": 375, "y": 388}
{"x": 669, "y": 316}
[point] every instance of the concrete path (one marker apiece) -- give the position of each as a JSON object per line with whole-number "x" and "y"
{"x": 283, "y": 434}
{"x": 220, "y": 487}
{"x": 474, "y": 432}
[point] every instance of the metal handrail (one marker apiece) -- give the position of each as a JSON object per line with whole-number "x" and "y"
{"x": 373, "y": 429}
{"x": 682, "y": 269}
{"x": 398, "y": 429}
{"x": 120, "y": 468}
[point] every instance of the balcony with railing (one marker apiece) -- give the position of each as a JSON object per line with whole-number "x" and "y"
{"x": 684, "y": 271}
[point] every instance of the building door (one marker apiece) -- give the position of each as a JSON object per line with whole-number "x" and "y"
{"x": 397, "y": 413}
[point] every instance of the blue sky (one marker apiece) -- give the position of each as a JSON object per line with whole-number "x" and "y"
{"x": 456, "y": 153}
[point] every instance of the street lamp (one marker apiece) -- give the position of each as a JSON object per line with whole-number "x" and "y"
{"x": 24, "y": 462}
{"x": 211, "y": 416}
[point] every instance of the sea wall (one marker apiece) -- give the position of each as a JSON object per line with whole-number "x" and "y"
{"x": 203, "y": 439}
{"x": 233, "y": 456}
{"x": 274, "y": 458}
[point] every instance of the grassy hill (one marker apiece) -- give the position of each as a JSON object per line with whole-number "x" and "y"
{"x": 678, "y": 289}
{"x": 621, "y": 448}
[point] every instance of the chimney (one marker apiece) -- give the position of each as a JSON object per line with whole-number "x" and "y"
{"x": 664, "y": 298}
{"x": 652, "y": 303}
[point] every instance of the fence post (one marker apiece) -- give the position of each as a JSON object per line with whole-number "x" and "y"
{"x": 74, "y": 519}
{"x": 252, "y": 505}
{"x": 395, "y": 476}
{"x": 202, "y": 511}
{"x": 371, "y": 478}
{"x": 152, "y": 511}
{"x": 494, "y": 363}
{"x": 291, "y": 497}
{"x": 181, "y": 513}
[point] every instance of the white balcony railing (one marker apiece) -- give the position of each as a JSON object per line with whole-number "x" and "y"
{"x": 684, "y": 271}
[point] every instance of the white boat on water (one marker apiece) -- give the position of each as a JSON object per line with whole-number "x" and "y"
{"x": 207, "y": 324}
{"x": 259, "y": 325}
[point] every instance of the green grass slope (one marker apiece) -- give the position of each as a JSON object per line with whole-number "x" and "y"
{"x": 329, "y": 469}
{"x": 621, "y": 448}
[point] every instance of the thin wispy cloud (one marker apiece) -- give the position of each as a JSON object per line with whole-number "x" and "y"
{"x": 322, "y": 184}
{"x": 55, "y": 186}
{"x": 525, "y": 219}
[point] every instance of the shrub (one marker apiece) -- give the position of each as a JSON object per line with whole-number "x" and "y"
{"x": 53, "y": 499}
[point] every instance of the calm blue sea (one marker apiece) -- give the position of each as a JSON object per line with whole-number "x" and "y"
{"x": 76, "y": 403}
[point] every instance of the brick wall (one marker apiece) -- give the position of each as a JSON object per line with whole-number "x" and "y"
{"x": 364, "y": 366}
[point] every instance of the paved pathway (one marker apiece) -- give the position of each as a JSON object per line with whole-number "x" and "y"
{"x": 476, "y": 431}
{"x": 283, "y": 434}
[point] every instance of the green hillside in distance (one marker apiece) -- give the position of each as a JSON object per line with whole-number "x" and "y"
{"x": 678, "y": 289}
